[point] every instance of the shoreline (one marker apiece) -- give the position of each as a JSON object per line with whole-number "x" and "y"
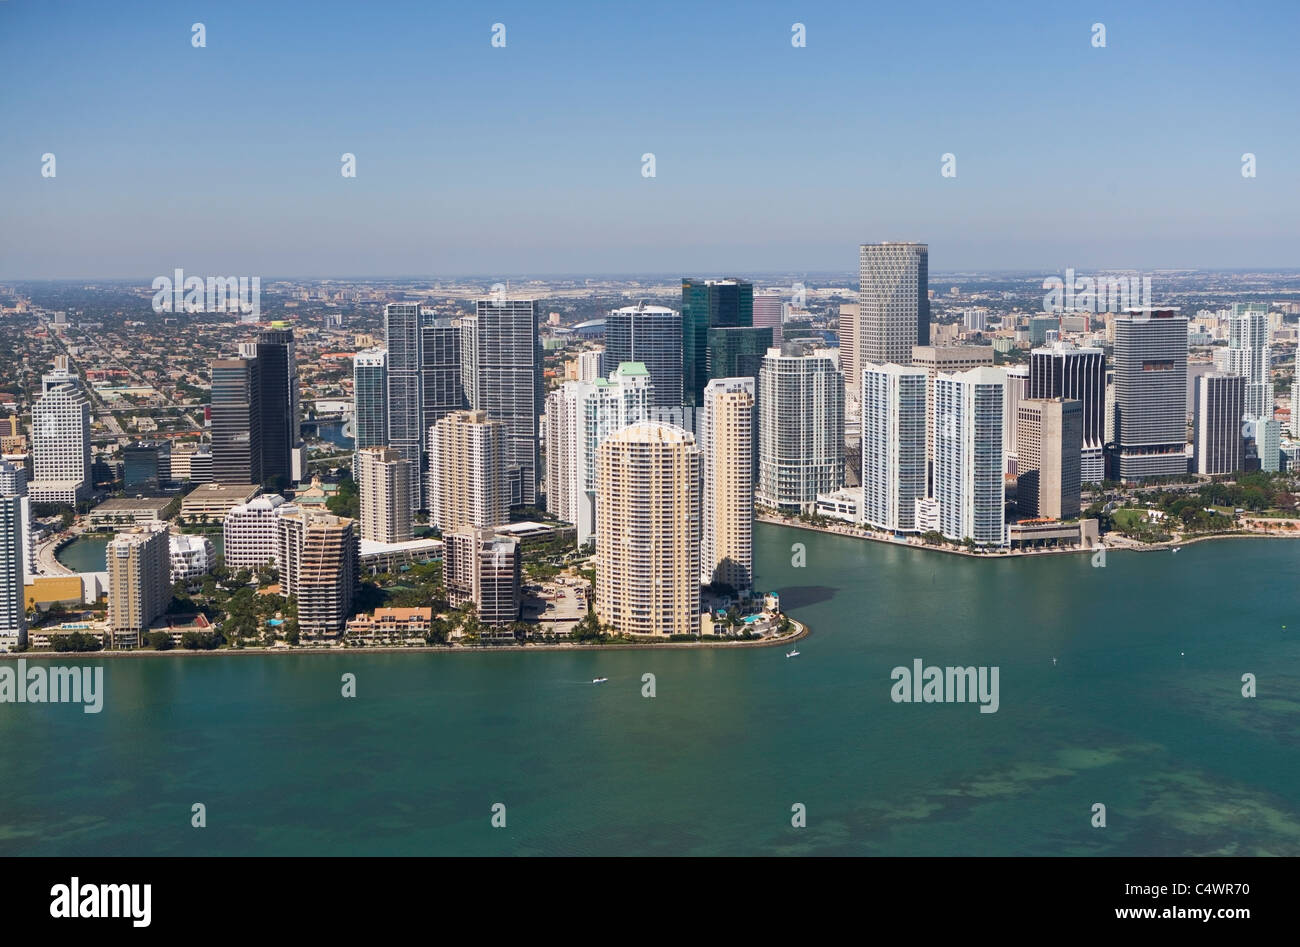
{"x": 1123, "y": 543}
{"x": 801, "y": 631}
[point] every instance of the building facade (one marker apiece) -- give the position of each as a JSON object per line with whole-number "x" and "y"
{"x": 1049, "y": 458}
{"x": 384, "y": 488}
{"x": 894, "y": 467}
{"x": 726, "y": 454}
{"x": 800, "y": 428}
{"x": 709, "y": 304}
{"x": 968, "y": 461}
{"x": 484, "y": 568}
{"x": 370, "y": 398}
{"x": 1219, "y": 400}
{"x": 893, "y": 301}
{"x": 651, "y": 336}
{"x": 468, "y": 463}
{"x": 648, "y": 557}
{"x": 237, "y": 421}
{"x": 319, "y": 565}
{"x": 250, "y": 534}
{"x": 1150, "y": 395}
{"x": 1067, "y": 371}
{"x": 139, "y": 583}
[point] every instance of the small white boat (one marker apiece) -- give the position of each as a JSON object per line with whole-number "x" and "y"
{"x": 792, "y": 654}
{"x": 599, "y": 680}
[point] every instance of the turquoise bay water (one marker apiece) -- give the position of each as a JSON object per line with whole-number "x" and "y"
{"x": 1142, "y": 712}
{"x": 87, "y": 553}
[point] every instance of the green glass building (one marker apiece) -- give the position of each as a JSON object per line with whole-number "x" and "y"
{"x": 709, "y": 304}
{"x": 737, "y": 351}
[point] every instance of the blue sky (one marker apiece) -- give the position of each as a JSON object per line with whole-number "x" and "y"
{"x": 527, "y": 159}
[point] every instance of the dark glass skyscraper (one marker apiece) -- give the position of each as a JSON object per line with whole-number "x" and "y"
{"x": 737, "y": 352}
{"x": 709, "y": 304}
{"x": 146, "y": 467}
{"x": 278, "y": 400}
{"x": 1065, "y": 371}
{"x": 504, "y": 378}
{"x": 405, "y": 401}
{"x": 651, "y": 335}
{"x": 236, "y": 421}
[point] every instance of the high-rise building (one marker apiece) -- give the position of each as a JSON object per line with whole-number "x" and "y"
{"x": 1218, "y": 407}
{"x": 1268, "y": 444}
{"x": 968, "y": 462}
{"x": 738, "y": 351}
{"x": 237, "y": 421}
{"x": 709, "y": 304}
{"x": 944, "y": 358}
{"x": 370, "y": 398}
{"x": 1067, "y": 371}
{"x": 441, "y": 391}
{"x": 139, "y": 583}
{"x": 1295, "y": 398}
{"x": 384, "y": 488}
{"x": 277, "y": 380}
{"x": 850, "y": 365}
{"x": 250, "y": 534}
{"x": 319, "y": 555}
{"x": 1150, "y": 394}
{"x": 626, "y": 397}
{"x": 589, "y": 363}
{"x": 1250, "y": 357}
{"x": 13, "y": 555}
{"x": 13, "y": 483}
{"x": 506, "y": 382}
{"x": 648, "y": 556}
{"x": 565, "y": 496}
{"x": 726, "y": 454}
{"x": 768, "y": 308}
{"x": 651, "y": 335}
{"x": 60, "y": 439}
{"x": 800, "y": 428}
{"x": 1017, "y": 391}
{"x": 404, "y": 345}
{"x": 893, "y": 301}
{"x": 484, "y": 568}
{"x": 1049, "y": 459}
{"x": 468, "y": 462}
{"x": 146, "y": 467}
{"x": 893, "y": 445}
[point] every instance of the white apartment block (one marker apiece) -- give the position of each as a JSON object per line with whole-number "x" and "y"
{"x": 968, "y": 461}
{"x": 249, "y": 533}
{"x": 893, "y": 445}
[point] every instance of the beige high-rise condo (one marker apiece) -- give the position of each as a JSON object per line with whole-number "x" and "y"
{"x": 384, "y": 485}
{"x": 468, "y": 483}
{"x": 648, "y": 520}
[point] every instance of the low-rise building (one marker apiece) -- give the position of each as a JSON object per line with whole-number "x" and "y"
{"x": 215, "y": 500}
{"x": 119, "y": 512}
{"x": 389, "y": 626}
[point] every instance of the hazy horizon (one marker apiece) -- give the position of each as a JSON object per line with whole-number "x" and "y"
{"x": 527, "y": 158}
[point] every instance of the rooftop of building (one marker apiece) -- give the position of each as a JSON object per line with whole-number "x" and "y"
{"x": 237, "y": 492}
{"x": 653, "y": 432}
